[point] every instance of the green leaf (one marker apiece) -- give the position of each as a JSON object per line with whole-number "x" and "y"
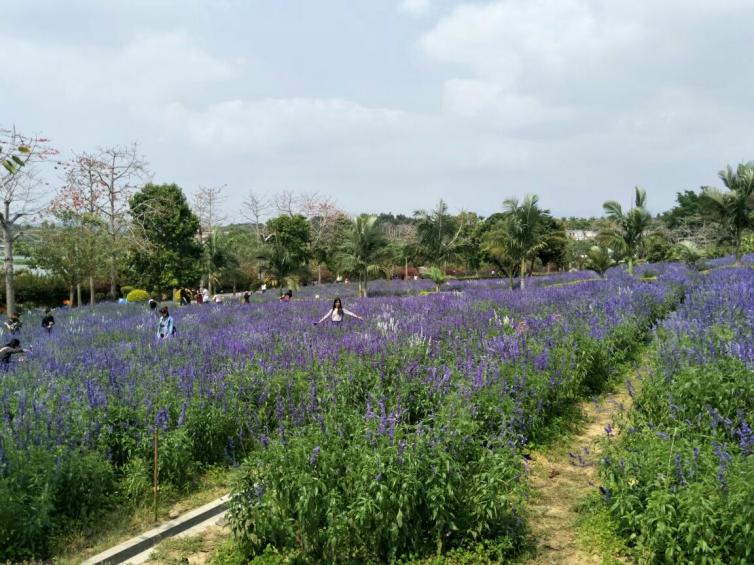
{"x": 24, "y": 149}
{"x": 9, "y": 166}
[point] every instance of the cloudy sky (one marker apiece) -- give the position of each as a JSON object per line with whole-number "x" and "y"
{"x": 389, "y": 105}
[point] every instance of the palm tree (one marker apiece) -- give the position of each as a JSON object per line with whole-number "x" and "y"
{"x": 689, "y": 253}
{"x": 362, "y": 250}
{"x": 629, "y": 227}
{"x": 599, "y": 260}
{"x": 734, "y": 209}
{"x": 437, "y": 234}
{"x": 284, "y": 266}
{"x": 526, "y": 229}
{"x": 436, "y": 275}
{"x": 496, "y": 244}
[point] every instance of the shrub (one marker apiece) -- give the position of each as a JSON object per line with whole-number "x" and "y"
{"x": 125, "y": 289}
{"x": 377, "y": 497}
{"x": 137, "y": 295}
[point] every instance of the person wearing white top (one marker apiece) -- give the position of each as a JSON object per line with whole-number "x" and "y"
{"x": 337, "y": 312}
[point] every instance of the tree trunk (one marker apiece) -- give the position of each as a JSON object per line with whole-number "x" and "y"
{"x": 630, "y": 266}
{"x": 737, "y": 244}
{"x": 10, "y": 287}
{"x": 113, "y": 289}
{"x": 78, "y": 294}
{"x": 319, "y": 273}
{"x": 405, "y": 270}
{"x": 70, "y": 296}
{"x": 522, "y": 285}
{"x": 91, "y": 290}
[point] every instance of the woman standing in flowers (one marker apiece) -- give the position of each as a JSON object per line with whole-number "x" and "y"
{"x": 337, "y": 312}
{"x": 166, "y": 327}
{"x": 13, "y": 324}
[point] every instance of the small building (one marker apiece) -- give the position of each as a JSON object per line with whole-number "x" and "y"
{"x": 581, "y": 235}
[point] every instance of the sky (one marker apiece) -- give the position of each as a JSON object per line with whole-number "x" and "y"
{"x": 390, "y": 105}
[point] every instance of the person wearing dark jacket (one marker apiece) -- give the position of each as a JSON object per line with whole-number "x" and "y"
{"x": 48, "y": 321}
{"x": 11, "y": 348}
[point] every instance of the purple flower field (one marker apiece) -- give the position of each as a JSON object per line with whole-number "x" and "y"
{"x": 465, "y": 378}
{"x": 686, "y": 459}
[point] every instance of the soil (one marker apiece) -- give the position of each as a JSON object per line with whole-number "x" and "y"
{"x": 564, "y": 476}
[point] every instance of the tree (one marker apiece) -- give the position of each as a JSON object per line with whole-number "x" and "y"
{"x": 19, "y": 189}
{"x": 437, "y": 234}
{"x": 526, "y": 230}
{"x": 119, "y": 170}
{"x": 285, "y": 202}
{"x": 166, "y": 254}
{"x": 628, "y": 228}
{"x": 467, "y": 246}
{"x": 325, "y": 222}
{"x": 689, "y": 253}
{"x": 254, "y": 209}
{"x": 70, "y": 248}
{"x": 733, "y": 210}
{"x": 81, "y": 200}
{"x": 362, "y": 249}
{"x": 207, "y": 201}
{"x": 554, "y": 253}
{"x": 599, "y": 260}
{"x": 287, "y": 249}
{"x": 496, "y": 246}
{"x": 240, "y": 250}
{"x": 436, "y": 276}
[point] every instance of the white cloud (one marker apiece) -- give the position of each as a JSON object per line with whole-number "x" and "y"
{"x": 148, "y": 68}
{"x": 269, "y": 124}
{"x": 415, "y": 7}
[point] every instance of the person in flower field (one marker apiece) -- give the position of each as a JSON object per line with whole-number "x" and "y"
{"x": 13, "y": 324}
{"x": 48, "y": 321}
{"x": 11, "y": 348}
{"x": 337, "y": 313}
{"x": 166, "y": 326}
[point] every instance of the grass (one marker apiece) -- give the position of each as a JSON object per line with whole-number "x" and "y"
{"x": 123, "y": 523}
{"x": 595, "y": 529}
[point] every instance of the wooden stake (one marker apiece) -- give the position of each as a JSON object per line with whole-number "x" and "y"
{"x": 156, "y": 469}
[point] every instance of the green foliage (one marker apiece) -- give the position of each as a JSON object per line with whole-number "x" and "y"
{"x": 733, "y": 210}
{"x": 168, "y": 254}
{"x": 137, "y": 295}
{"x": 66, "y": 491}
{"x": 524, "y": 233}
{"x": 37, "y": 290}
{"x": 372, "y": 499}
{"x": 436, "y": 275}
{"x": 599, "y": 260}
{"x": 437, "y": 234}
{"x": 287, "y": 251}
{"x": 362, "y": 249}
{"x": 688, "y": 212}
{"x": 678, "y": 483}
{"x": 688, "y": 253}
{"x": 629, "y": 228}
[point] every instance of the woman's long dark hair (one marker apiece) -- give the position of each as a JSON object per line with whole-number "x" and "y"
{"x": 339, "y": 308}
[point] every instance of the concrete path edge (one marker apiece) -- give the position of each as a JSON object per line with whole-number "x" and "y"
{"x": 132, "y": 547}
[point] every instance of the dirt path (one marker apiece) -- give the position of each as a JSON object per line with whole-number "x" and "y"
{"x": 562, "y": 476}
